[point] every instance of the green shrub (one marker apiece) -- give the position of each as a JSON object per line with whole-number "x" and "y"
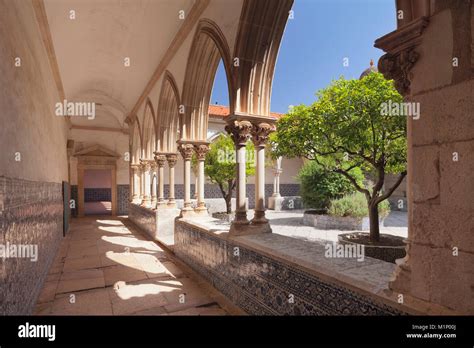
{"x": 319, "y": 186}
{"x": 355, "y": 205}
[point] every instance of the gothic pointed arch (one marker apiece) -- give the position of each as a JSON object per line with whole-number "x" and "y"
{"x": 168, "y": 117}
{"x": 208, "y": 47}
{"x": 261, "y": 28}
{"x": 136, "y": 142}
{"x": 149, "y": 130}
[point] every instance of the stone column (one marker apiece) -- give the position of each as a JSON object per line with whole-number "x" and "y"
{"x": 147, "y": 176}
{"x": 142, "y": 182}
{"x": 276, "y": 178}
{"x": 172, "y": 159}
{"x": 80, "y": 189}
{"x": 135, "y": 183}
{"x": 186, "y": 150}
{"x": 436, "y": 274}
{"x": 201, "y": 151}
{"x": 154, "y": 178}
{"x": 241, "y": 133}
{"x": 130, "y": 181}
{"x": 276, "y": 200}
{"x": 160, "y": 160}
{"x": 260, "y": 134}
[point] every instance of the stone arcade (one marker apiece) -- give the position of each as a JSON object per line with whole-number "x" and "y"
{"x": 155, "y": 110}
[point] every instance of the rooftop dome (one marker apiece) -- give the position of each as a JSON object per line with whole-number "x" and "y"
{"x": 369, "y": 70}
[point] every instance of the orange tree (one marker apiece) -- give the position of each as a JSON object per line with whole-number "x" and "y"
{"x": 346, "y": 129}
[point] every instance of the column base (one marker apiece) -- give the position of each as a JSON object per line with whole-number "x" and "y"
{"x": 147, "y": 202}
{"x": 187, "y": 211}
{"x": 259, "y": 218}
{"x": 171, "y": 204}
{"x": 240, "y": 229}
{"x": 201, "y": 210}
{"x": 153, "y": 202}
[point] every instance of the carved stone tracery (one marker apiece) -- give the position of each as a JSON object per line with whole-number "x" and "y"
{"x": 201, "y": 151}
{"x": 241, "y": 131}
{"x": 186, "y": 151}
{"x": 160, "y": 160}
{"x": 398, "y": 68}
{"x": 261, "y": 133}
{"x": 172, "y": 160}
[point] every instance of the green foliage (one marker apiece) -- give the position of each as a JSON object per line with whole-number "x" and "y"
{"x": 355, "y": 205}
{"x": 219, "y": 165}
{"x": 220, "y": 160}
{"x": 345, "y": 129}
{"x": 345, "y": 123}
{"x": 319, "y": 186}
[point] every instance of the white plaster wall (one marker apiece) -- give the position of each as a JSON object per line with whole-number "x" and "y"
{"x": 291, "y": 168}
{"x": 97, "y": 178}
{"x": 27, "y": 99}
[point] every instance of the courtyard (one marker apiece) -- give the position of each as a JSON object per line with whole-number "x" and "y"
{"x": 290, "y": 224}
{"x": 238, "y": 107}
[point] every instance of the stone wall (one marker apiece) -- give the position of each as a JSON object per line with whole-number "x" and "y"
{"x": 439, "y": 263}
{"x": 143, "y": 217}
{"x": 31, "y": 213}
{"x": 33, "y": 163}
{"x": 264, "y": 283}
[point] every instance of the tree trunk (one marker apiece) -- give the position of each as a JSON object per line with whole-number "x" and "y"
{"x": 228, "y": 202}
{"x": 374, "y": 222}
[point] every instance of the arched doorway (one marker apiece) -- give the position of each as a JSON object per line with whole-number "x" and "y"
{"x": 96, "y": 158}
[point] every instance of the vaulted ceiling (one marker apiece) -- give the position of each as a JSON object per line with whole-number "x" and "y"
{"x": 92, "y": 50}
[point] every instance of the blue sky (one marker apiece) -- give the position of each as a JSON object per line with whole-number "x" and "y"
{"x": 314, "y": 45}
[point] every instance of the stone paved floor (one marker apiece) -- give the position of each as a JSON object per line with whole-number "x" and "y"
{"x": 290, "y": 223}
{"x": 106, "y": 268}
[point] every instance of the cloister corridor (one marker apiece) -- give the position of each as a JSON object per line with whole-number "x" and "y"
{"x": 105, "y": 266}
{"x": 109, "y": 106}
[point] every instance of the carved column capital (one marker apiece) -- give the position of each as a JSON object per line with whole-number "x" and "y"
{"x": 241, "y": 131}
{"x": 145, "y": 165}
{"x": 160, "y": 159}
{"x": 186, "y": 151}
{"x": 261, "y": 132}
{"x": 172, "y": 159}
{"x": 401, "y": 55}
{"x": 201, "y": 151}
{"x": 397, "y": 67}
